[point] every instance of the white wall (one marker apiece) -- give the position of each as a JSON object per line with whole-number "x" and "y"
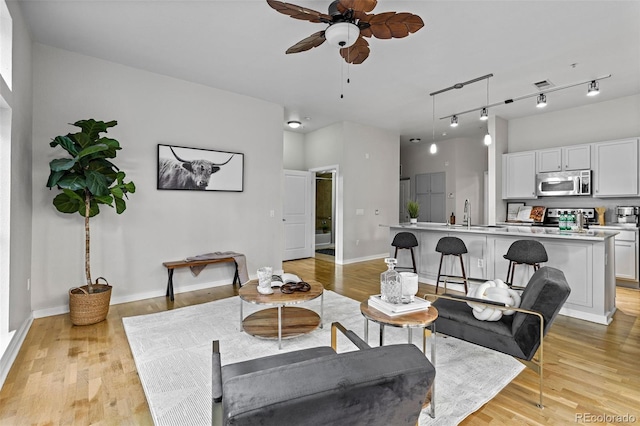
{"x": 293, "y": 151}
{"x": 597, "y": 122}
{"x": 157, "y": 226}
{"x": 20, "y": 216}
{"x": 368, "y": 184}
{"x": 464, "y": 162}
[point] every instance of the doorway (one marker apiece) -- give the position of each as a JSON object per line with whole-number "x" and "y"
{"x": 325, "y": 213}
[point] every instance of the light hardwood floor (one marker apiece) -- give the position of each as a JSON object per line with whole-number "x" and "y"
{"x": 86, "y": 375}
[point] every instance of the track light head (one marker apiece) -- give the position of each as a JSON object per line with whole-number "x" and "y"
{"x": 484, "y": 115}
{"x": 594, "y": 88}
{"x": 542, "y": 101}
{"x": 454, "y": 121}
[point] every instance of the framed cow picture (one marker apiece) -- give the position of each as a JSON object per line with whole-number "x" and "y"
{"x": 199, "y": 169}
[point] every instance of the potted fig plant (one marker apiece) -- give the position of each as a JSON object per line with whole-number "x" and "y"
{"x": 413, "y": 208}
{"x": 86, "y": 179}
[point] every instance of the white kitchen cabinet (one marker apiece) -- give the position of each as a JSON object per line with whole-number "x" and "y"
{"x": 626, "y": 260}
{"x": 519, "y": 175}
{"x": 574, "y": 157}
{"x": 615, "y": 171}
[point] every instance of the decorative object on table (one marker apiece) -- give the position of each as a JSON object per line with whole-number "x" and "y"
{"x": 264, "y": 280}
{"x": 495, "y": 290}
{"x": 512, "y": 211}
{"x": 393, "y": 309}
{"x": 409, "y": 282}
{"x": 289, "y": 288}
{"x": 413, "y": 208}
{"x": 199, "y": 169}
{"x": 601, "y": 211}
{"x": 390, "y": 284}
{"x": 537, "y": 213}
{"x": 280, "y": 280}
{"x": 88, "y": 178}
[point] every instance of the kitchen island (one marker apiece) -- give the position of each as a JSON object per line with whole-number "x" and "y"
{"x": 586, "y": 258}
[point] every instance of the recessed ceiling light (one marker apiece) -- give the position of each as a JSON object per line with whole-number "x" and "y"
{"x": 294, "y": 124}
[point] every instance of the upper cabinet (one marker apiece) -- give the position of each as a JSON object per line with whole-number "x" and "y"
{"x": 519, "y": 175}
{"x": 576, "y": 157}
{"x": 615, "y": 168}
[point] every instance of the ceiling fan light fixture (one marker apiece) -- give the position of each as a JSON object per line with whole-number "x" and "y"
{"x": 484, "y": 115}
{"x": 542, "y": 101}
{"x": 594, "y": 88}
{"x": 342, "y": 34}
{"x": 454, "y": 121}
{"x": 294, "y": 124}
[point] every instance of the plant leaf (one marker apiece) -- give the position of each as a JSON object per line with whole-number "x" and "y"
{"x": 130, "y": 187}
{"x": 75, "y": 195}
{"x": 72, "y": 181}
{"x": 66, "y": 143}
{"x": 104, "y": 199}
{"x": 66, "y": 204}
{"x": 81, "y": 139}
{"x": 97, "y": 183}
{"x": 54, "y": 177}
{"x": 120, "y": 205}
{"x": 117, "y": 192}
{"x": 93, "y": 209}
{"x": 62, "y": 164}
{"x": 93, "y": 128}
{"x": 92, "y": 150}
{"x": 113, "y": 145}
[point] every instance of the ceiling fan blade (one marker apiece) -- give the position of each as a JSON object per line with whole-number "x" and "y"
{"x": 357, "y": 5}
{"x": 357, "y": 53}
{"x": 299, "y": 12}
{"x": 314, "y": 40}
{"x": 391, "y": 25}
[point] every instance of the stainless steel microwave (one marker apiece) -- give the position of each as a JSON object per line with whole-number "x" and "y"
{"x": 575, "y": 182}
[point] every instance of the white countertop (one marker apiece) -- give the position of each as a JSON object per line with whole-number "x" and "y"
{"x": 511, "y": 230}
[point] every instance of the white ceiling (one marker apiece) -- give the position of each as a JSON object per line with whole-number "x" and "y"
{"x": 239, "y": 46}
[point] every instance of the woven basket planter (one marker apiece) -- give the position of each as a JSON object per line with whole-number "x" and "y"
{"x": 86, "y": 308}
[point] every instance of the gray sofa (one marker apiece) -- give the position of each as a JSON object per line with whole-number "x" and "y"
{"x": 372, "y": 386}
{"x": 520, "y": 335}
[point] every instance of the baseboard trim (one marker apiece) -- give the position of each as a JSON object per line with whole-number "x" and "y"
{"x": 362, "y": 259}
{"x": 59, "y": 310}
{"x": 10, "y": 354}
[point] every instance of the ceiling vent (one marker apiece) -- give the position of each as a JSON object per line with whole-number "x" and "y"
{"x": 543, "y": 85}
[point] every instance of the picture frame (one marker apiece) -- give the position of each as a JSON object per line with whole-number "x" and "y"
{"x": 512, "y": 211}
{"x": 199, "y": 169}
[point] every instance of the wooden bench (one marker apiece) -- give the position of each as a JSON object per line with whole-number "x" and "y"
{"x": 171, "y": 266}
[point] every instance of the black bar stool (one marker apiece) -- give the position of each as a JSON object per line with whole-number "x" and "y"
{"x": 524, "y": 252}
{"x": 452, "y": 246}
{"x": 405, "y": 240}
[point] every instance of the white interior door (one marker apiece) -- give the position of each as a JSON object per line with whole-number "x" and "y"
{"x": 296, "y": 215}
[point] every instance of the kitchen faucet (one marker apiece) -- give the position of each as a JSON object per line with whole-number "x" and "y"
{"x": 467, "y": 213}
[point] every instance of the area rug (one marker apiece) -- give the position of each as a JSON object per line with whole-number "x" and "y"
{"x": 172, "y": 352}
{"x": 330, "y": 251}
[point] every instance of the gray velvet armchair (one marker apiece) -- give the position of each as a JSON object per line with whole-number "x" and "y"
{"x": 371, "y": 386}
{"x": 520, "y": 335}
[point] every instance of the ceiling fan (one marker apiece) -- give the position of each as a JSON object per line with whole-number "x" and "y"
{"x": 349, "y": 22}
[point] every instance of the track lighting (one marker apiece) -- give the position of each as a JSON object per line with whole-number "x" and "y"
{"x": 484, "y": 115}
{"x": 454, "y": 121}
{"x": 594, "y": 88}
{"x": 542, "y": 101}
{"x": 433, "y": 148}
{"x": 294, "y": 124}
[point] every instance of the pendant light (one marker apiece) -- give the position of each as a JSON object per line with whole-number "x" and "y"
{"x": 433, "y": 148}
{"x": 485, "y": 117}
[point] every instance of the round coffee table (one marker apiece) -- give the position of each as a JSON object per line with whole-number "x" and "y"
{"x": 282, "y": 320}
{"x": 421, "y": 319}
